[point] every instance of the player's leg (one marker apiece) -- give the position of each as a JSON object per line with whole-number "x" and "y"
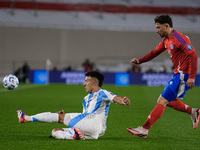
{"x": 193, "y": 112}
{"x": 180, "y": 106}
{"x": 89, "y": 125}
{"x": 155, "y": 114}
{"x": 41, "y": 117}
{"x": 67, "y": 133}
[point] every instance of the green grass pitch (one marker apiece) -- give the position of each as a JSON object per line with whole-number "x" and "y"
{"x": 172, "y": 131}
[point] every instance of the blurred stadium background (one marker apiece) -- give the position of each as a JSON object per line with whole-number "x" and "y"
{"x": 60, "y": 35}
{"x": 55, "y": 38}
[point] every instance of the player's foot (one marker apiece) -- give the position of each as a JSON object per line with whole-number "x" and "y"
{"x": 195, "y": 117}
{"x": 139, "y": 131}
{"x": 78, "y": 135}
{"x": 21, "y": 116}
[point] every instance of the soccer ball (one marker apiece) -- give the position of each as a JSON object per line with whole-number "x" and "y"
{"x": 10, "y": 82}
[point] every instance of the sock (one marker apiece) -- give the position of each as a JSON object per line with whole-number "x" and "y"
{"x": 180, "y": 106}
{"x": 44, "y": 117}
{"x": 155, "y": 114}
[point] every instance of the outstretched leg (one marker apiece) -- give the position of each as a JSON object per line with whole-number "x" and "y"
{"x": 58, "y": 133}
{"x": 41, "y": 117}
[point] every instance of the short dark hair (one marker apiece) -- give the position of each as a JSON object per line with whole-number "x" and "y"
{"x": 164, "y": 19}
{"x": 97, "y": 75}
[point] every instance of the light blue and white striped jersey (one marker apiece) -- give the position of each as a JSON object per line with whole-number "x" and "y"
{"x": 98, "y": 102}
{"x": 95, "y": 105}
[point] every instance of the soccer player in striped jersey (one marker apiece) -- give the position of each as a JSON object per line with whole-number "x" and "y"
{"x": 185, "y": 59}
{"x": 91, "y": 123}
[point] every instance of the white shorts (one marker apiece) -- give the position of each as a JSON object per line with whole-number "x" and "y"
{"x": 92, "y": 126}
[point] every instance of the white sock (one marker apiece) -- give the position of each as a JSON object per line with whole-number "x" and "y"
{"x": 44, "y": 117}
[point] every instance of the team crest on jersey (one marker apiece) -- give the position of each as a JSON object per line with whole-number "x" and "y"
{"x": 171, "y": 46}
{"x": 189, "y": 47}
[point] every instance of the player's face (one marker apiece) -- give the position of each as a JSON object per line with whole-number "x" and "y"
{"x": 89, "y": 84}
{"x": 161, "y": 29}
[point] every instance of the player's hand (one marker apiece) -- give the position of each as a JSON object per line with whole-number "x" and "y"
{"x": 61, "y": 112}
{"x": 190, "y": 83}
{"x": 134, "y": 61}
{"x": 125, "y": 101}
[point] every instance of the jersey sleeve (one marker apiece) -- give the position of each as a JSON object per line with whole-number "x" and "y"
{"x": 193, "y": 65}
{"x": 154, "y": 53}
{"x": 191, "y": 53}
{"x": 109, "y": 96}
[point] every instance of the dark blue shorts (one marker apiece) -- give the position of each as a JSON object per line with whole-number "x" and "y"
{"x": 176, "y": 87}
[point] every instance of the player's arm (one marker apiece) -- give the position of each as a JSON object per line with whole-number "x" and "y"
{"x": 191, "y": 53}
{"x": 121, "y": 100}
{"x": 149, "y": 56}
{"x": 146, "y": 58}
{"x": 193, "y": 71}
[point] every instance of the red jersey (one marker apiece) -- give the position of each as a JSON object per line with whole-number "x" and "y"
{"x": 181, "y": 52}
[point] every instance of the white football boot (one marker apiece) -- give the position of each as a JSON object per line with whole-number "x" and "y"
{"x": 195, "y": 117}
{"x": 139, "y": 131}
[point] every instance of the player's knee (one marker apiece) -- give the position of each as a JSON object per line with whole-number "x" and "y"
{"x": 56, "y": 129}
{"x": 58, "y": 133}
{"x": 162, "y": 101}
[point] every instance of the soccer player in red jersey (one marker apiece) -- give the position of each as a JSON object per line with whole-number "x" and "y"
{"x": 185, "y": 59}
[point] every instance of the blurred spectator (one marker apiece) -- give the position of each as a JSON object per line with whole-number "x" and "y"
{"x": 25, "y": 70}
{"x": 162, "y": 69}
{"x": 68, "y": 68}
{"x": 55, "y": 68}
{"x": 19, "y": 74}
{"x": 135, "y": 68}
{"x": 88, "y": 66}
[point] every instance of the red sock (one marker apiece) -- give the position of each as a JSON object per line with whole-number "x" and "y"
{"x": 180, "y": 106}
{"x": 155, "y": 114}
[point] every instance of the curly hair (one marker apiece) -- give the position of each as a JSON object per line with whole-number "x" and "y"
{"x": 162, "y": 19}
